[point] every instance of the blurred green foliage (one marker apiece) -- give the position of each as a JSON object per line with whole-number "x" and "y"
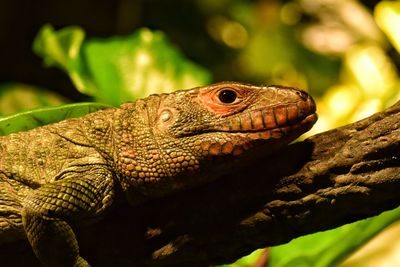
{"x": 344, "y": 53}
{"x": 119, "y": 69}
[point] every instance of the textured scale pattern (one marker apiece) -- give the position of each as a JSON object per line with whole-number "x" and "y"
{"x": 70, "y": 173}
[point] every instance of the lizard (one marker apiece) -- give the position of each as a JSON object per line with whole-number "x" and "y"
{"x": 60, "y": 176}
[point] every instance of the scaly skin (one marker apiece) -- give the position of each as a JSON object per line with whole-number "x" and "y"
{"x": 70, "y": 173}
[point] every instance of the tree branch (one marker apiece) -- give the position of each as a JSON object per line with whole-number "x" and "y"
{"x": 328, "y": 180}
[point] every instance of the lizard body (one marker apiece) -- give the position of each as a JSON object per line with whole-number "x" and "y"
{"x": 63, "y": 175}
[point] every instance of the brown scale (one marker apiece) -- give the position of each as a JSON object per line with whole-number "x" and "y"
{"x": 269, "y": 119}
{"x": 292, "y": 112}
{"x": 257, "y": 120}
{"x": 280, "y": 115}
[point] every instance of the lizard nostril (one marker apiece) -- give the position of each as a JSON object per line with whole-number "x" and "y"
{"x": 303, "y": 95}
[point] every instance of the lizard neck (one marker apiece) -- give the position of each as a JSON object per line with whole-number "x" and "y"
{"x": 135, "y": 152}
{"x": 99, "y": 130}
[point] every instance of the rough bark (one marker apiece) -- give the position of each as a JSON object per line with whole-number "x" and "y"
{"x": 328, "y": 180}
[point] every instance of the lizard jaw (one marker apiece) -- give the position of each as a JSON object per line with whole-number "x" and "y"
{"x": 291, "y": 130}
{"x": 235, "y": 143}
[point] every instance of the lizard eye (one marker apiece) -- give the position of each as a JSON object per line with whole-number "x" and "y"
{"x": 227, "y": 96}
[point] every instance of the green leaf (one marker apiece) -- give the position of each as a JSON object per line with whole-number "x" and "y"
{"x": 330, "y": 247}
{"x": 31, "y": 119}
{"x": 248, "y": 260}
{"x": 62, "y": 49}
{"x": 119, "y": 69}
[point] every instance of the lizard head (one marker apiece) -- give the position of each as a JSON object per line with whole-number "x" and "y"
{"x": 227, "y": 119}
{"x": 203, "y": 131}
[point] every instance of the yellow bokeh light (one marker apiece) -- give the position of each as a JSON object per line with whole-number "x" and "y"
{"x": 372, "y": 69}
{"x": 231, "y": 33}
{"x": 143, "y": 58}
{"x": 341, "y": 100}
{"x": 387, "y": 16}
{"x": 323, "y": 124}
{"x": 291, "y": 13}
{"x": 234, "y": 34}
{"x": 147, "y": 35}
{"x": 367, "y": 108}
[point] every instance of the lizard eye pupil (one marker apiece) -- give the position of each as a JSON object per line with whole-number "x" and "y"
{"x": 227, "y": 96}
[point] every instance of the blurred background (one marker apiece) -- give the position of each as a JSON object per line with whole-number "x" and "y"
{"x": 345, "y": 53}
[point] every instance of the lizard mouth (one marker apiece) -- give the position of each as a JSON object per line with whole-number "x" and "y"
{"x": 290, "y": 129}
{"x": 273, "y": 121}
{"x": 273, "y": 128}
{"x": 235, "y": 143}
